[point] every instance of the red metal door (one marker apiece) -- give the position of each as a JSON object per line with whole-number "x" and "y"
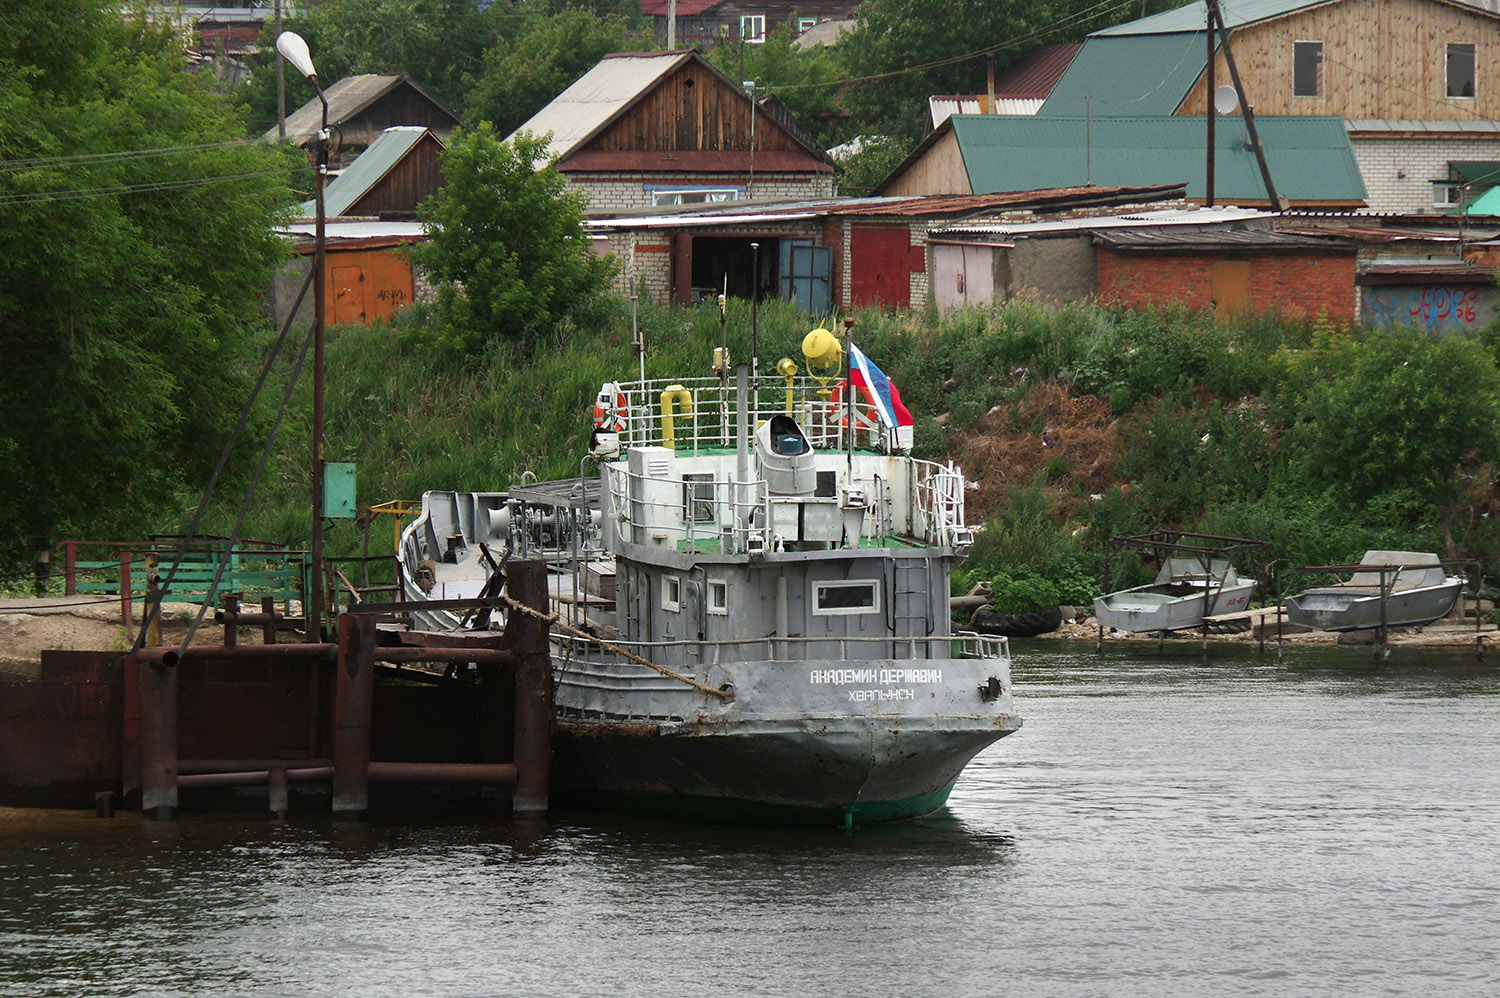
{"x": 879, "y": 266}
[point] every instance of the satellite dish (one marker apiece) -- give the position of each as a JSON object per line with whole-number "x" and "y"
{"x": 1225, "y": 99}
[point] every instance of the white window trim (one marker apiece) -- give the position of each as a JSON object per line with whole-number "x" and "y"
{"x": 819, "y": 587}
{"x": 655, "y": 191}
{"x": 719, "y": 586}
{"x": 756, "y": 23}
{"x": 669, "y": 585}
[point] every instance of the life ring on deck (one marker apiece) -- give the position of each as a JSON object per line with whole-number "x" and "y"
{"x": 865, "y": 417}
{"x": 611, "y": 411}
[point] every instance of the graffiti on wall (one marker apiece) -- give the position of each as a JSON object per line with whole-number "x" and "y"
{"x": 1431, "y": 307}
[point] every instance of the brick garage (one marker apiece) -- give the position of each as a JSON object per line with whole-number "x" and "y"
{"x": 1231, "y": 272}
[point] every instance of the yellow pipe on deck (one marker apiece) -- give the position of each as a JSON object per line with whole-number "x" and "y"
{"x": 674, "y": 393}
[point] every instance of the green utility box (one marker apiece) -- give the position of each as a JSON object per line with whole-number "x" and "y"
{"x": 338, "y": 491}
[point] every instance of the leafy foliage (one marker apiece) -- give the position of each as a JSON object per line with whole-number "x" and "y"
{"x": 139, "y": 233}
{"x": 521, "y": 74}
{"x": 506, "y": 237}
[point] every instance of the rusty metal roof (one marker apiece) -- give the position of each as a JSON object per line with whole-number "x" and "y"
{"x": 1034, "y": 74}
{"x": 1238, "y": 240}
{"x": 346, "y": 99}
{"x": 937, "y": 206}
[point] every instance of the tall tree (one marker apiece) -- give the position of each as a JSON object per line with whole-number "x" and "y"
{"x": 506, "y": 236}
{"x": 139, "y": 235}
{"x": 438, "y": 43}
{"x": 520, "y": 75}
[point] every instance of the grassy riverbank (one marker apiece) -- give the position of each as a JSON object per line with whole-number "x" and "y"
{"x": 1077, "y": 422}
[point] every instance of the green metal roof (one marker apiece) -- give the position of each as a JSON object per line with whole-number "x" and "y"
{"x": 1133, "y": 75}
{"x": 367, "y": 170}
{"x": 1310, "y": 158}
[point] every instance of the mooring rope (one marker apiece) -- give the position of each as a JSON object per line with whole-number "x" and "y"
{"x": 552, "y": 620}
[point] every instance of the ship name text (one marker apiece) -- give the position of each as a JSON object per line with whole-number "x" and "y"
{"x": 881, "y": 677}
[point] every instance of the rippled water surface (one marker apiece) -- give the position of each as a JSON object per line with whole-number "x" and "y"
{"x": 1324, "y": 825}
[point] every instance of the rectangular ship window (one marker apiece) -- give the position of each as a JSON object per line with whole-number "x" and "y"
{"x": 698, "y": 498}
{"x": 718, "y": 597}
{"x": 846, "y": 597}
{"x": 671, "y": 592}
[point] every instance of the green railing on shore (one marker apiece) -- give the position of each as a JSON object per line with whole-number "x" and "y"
{"x": 250, "y": 568}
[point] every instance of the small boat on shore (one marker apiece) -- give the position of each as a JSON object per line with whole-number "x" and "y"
{"x": 1387, "y": 588}
{"x": 1186, "y": 590}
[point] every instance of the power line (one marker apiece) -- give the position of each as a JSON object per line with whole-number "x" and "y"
{"x": 81, "y": 194}
{"x": 91, "y": 158}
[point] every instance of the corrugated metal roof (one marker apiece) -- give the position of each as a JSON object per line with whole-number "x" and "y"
{"x": 1310, "y": 158}
{"x": 347, "y": 98}
{"x": 823, "y": 33}
{"x": 336, "y": 230}
{"x": 1165, "y": 217}
{"x": 598, "y": 96}
{"x": 1410, "y": 125}
{"x": 1261, "y": 240}
{"x": 936, "y": 206}
{"x": 1148, "y": 74}
{"x": 1035, "y": 73}
{"x": 940, "y": 109}
{"x": 367, "y": 170}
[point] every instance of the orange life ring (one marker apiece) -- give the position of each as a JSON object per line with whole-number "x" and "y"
{"x": 864, "y": 414}
{"x": 603, "y": 409}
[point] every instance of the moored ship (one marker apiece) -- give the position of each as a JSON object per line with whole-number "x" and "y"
{"x": 753, "y": 597}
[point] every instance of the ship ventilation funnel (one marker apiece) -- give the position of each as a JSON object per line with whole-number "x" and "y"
{"x": 786, "y": 458}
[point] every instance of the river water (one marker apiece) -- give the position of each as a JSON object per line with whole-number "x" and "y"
{"x": 1162, "y": 825}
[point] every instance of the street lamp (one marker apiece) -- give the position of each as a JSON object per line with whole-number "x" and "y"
{"x": 294, "y": 50}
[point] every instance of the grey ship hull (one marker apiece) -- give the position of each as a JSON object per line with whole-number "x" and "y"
{"x": 1335, "y": 609}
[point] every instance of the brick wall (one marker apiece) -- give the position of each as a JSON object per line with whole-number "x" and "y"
{"x": 1399, "y": 172}
{"x": 1293, "y": 285}
{"x": 621, "y": 191}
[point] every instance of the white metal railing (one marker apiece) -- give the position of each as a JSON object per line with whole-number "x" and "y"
{"x": 676, "y": 654}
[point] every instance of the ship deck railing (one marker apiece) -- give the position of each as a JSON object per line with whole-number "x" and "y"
{"x": 689, "y": 653}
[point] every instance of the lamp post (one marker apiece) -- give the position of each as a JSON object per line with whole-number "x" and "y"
{"x": 294, "y": 50}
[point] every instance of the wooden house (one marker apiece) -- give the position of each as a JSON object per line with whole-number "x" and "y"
{"x": 360, "y": 108}
{"x": 401, "y": 169}
{"x": 1417, "y": 82}
{"x": 707, "y": 22}
{"x": 667, "y": 128}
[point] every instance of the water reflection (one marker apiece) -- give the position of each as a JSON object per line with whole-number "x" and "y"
{"x": 1323, "y": 824}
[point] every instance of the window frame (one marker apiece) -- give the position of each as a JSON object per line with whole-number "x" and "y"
{"x": 753, "y": 20}
{"x": 1298, "y": 46}
{"x": 671, "y": 584}
{"x": 669, "y": 194}
{"x": 718, "y": 587}
{"x": 822, "y": 586}
{"x": 1473, "y": 75}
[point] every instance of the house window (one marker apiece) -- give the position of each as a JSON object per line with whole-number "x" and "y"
{"x": 753, "y": 28}
{"x": 1307, "y": 69}
{"x": 693, "y": 195}
{"x": 804, "y": 23}
{"x": 671, "y": 592}
{"x": 1460, "y": 70}
{"x": 718, "y": 597}
{"x": 846, "y": 597}
{"x": 1446, "y": 193}
{"x": 698, "y": 498}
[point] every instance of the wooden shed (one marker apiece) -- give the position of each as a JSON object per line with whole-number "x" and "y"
{"x": 362, "y": 107}
{"x": 667, "y": 128}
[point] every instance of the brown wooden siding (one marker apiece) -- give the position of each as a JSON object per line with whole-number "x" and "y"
{"x": 692, "y": 109}
{"x": 410, "y": 182}
{"x": 1381, "y": 59}
{"x": 940, "y": 171}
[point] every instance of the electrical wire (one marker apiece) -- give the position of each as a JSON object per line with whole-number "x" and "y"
{"x": 121, "y": 190}
{"x": 80, "y": 159}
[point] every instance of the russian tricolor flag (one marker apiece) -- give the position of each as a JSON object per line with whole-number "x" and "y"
{"x": 881, "y": 393}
